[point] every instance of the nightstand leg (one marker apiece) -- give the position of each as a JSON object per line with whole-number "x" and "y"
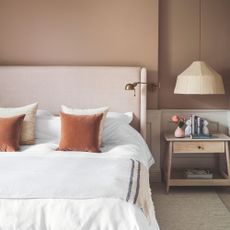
{"x": 227, "y": 159}
{"x": 166, "y": 157}
{"x": 168, "y": 167}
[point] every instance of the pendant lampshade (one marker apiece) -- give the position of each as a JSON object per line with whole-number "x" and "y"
{"x": 199, "y": 78}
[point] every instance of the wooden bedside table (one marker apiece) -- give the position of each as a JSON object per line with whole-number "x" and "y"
{"x": 217, "y": 144}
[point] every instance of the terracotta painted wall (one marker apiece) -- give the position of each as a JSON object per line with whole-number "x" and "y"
{"x": 106, "y": 32}
{"x": 179, "y": 47}
{"x": 81, "y": 32}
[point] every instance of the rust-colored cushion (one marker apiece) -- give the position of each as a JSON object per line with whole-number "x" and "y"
{"x": 28, "y": 125}
{"x": 80, "y": 132}
{"x": 10, "y": 132}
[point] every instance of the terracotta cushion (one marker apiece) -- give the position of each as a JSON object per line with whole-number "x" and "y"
{"x": 10, "y": 132}
{"x": 80, "y": 132}
{"x": 28, "y": 125}
{"x": 75, "y": 111}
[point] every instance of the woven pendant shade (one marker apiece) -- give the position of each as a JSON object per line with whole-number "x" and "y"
{"x": 199, "y": 78}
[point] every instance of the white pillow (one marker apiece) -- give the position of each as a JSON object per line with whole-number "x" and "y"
{"x": 43, "y": 113}
{"x": 119, "y": 117}
{"x": 103, "y": 110}
{"x": 114, "y": 121}
{"x": 28, "y": 125}
{"x": 48, "y": 127}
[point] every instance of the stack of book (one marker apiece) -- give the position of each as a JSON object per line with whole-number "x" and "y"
{"x": 198, "y": 174}
{"x": 196, "y": 125}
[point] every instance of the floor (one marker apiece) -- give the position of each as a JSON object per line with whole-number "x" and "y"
{"x": 192, "y": 208}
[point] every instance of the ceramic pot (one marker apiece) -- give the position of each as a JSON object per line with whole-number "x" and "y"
{"x": 179, "y": 132}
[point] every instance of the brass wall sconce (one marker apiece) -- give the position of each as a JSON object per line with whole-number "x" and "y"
{"x": 132, "y": 86}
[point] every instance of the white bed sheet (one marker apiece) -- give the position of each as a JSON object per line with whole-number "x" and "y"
{"x": 118, "y": 141}
{"x": 90, "y": 214}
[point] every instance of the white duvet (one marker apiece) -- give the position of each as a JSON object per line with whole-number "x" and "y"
{"x": 39, "y": 205}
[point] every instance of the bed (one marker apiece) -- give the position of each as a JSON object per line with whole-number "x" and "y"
{"x": 42, "y": 188}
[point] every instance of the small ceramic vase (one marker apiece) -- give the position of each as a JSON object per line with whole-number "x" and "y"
{"x": 179, "y": 132}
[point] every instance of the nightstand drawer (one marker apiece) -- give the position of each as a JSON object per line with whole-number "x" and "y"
{"x": 199, "y": 147}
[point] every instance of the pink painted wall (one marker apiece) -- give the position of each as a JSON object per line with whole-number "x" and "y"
{"x": 80, "y": 32}
{"x": 103, "y": 32}
{"x": 179, "y": 47}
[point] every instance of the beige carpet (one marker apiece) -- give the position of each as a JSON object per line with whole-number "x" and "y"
{"x": 224, "y": 194}
{"x": 191, "y": 208}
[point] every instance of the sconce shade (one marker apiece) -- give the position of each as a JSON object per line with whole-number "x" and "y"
{"x": 199, "y": 78}
{"x": 130, "y": 86}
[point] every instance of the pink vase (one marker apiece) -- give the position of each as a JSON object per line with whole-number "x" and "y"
{"x": 179, "y": 132}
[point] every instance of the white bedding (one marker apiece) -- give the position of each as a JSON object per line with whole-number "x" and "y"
{"x": 71, "y": 213}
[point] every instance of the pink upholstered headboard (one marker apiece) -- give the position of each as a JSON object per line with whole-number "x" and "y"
{"x": 75, "y": 86}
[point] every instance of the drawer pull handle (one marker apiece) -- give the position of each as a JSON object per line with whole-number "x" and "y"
{"x": 200, "y": 147}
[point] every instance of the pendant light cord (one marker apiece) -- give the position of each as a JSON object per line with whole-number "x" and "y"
{"x": 200, "y": 29}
